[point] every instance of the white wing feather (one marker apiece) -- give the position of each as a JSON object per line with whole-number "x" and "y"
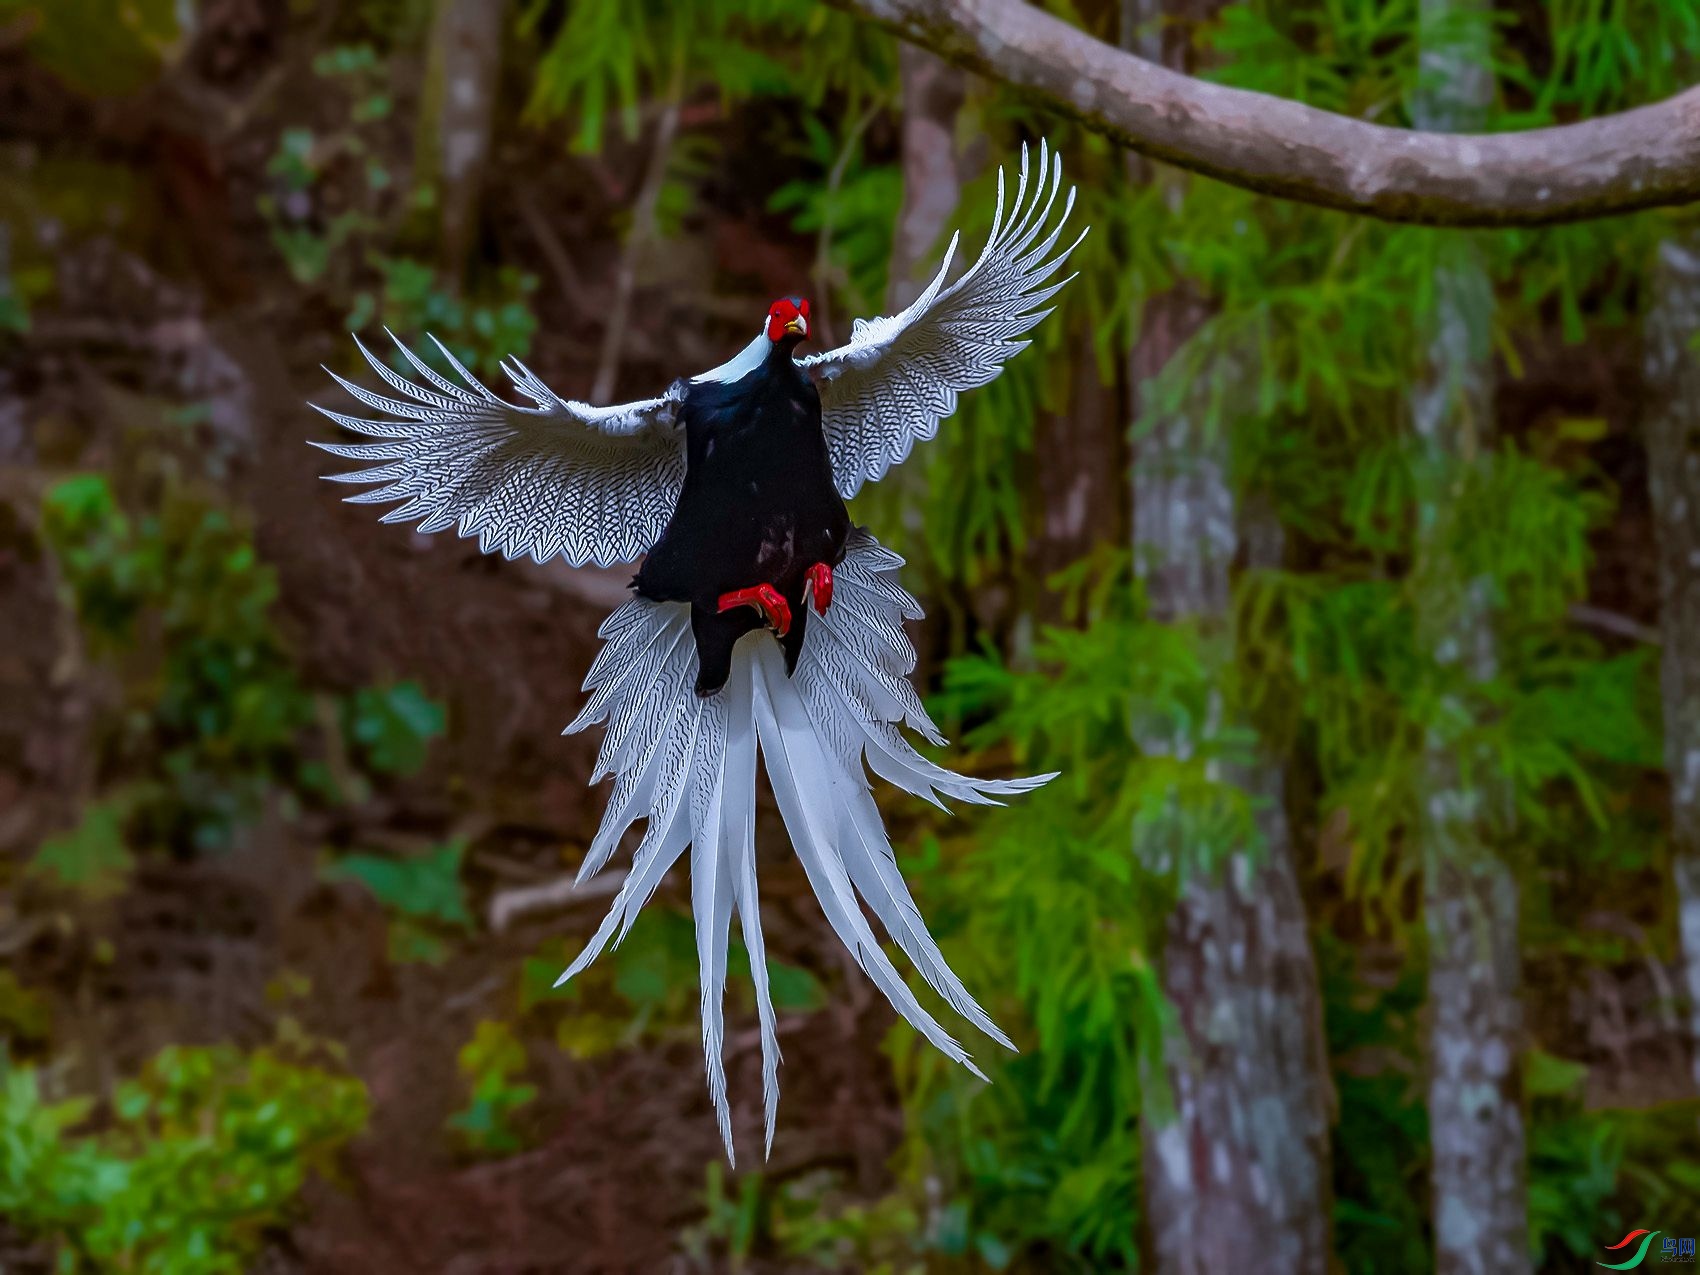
{"x": 592, "y": 484}
{"x": 900, "y": 375}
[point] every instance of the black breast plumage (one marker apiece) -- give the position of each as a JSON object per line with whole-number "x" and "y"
{"x": 758, "y": 507}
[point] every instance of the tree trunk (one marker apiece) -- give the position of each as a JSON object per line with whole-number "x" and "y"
{"x": 1079, "y": 464}
{"x": 1239, "y": 1178}
{"x": 1470, "y": 896}
{"x": 934, "y": 170}
{"x": 462, "y": 75}
{"x": 1673, "y": 461}
{"x": 640, "y": 236}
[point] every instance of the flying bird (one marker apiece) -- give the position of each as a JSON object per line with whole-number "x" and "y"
{"x": 763, "y": 623}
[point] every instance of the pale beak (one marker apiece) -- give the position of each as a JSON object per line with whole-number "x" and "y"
{"x": 799, "y": 325}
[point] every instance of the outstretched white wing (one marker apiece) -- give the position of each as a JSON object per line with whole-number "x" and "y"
{"x": 900, "y": 375}
{"x": 593, "y": 484}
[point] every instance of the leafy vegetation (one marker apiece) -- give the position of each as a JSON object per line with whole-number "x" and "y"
{"x": 195, "y": 1161}
{"x": 490, "y": 1063}
{"x": 1304, "y": 362}
{"x": 214, "y": 711}
{"x": 335, "y": 207}
{"x": 422, "y": 894}
{"x": 215, "y": 715}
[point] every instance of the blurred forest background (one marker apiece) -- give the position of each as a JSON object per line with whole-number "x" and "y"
{"x": 1333, "y": 562}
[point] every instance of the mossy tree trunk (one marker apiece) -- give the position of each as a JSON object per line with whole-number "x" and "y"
{"x": 1470, "y": 894}
{"x": 1673, "y": 462}
{"x": 1238, "y": 1177}
{"x": 935, "y": 167}
{"x": 462, "y": 78}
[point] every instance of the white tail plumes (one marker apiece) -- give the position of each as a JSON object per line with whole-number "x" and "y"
{"x": 688, "y": 766}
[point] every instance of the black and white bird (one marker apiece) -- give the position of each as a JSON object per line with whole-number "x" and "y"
{"x": 763, "y": 623}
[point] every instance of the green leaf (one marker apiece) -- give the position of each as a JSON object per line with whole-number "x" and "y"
{"x": 794, "y": 988}
{"x": 92, "y": 858}
{"x": 425, "y": 887}
{"x": 394, "y": 725}
{"x": 1547, "y": 1075}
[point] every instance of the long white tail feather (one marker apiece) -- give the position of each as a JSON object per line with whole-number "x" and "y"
{"x": 711, "y": 904}
{"x": 659, "y": 851}
{"x": 621, "y": 748}
{"x": 687, "y": 765}
{"x": 740, "y": 829}
{"x": 872, "y": 865}
{"x": 801, "y": 777}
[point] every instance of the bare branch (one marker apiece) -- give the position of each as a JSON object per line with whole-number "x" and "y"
{"x": 508, "y": 905}
{"x": 1645, "y": 158}
{"x": 1617, "y": 625}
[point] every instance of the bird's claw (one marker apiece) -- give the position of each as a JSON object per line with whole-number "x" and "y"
{"x": 820, "y": 585}
{"x": 764, "y": 598}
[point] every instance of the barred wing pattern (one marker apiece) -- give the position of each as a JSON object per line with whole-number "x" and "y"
{"x": 687, "y": 766}
{"x": 900, "y": 375}
{"x": 592, "y": 484}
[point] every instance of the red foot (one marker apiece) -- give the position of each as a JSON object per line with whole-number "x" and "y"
{"x": 764, "y": 598}
{"x": 820, "y": 586}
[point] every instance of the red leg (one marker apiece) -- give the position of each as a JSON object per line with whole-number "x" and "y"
{"x": 764, "y": 598}
{"x": 820, "y": 585}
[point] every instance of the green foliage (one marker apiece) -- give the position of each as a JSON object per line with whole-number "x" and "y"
{"x": 201, "y": 1156}
{"x": 1068, "y": 888}
{"x": 1132, "y": 712}
{"x": 603, "y": 59}
{"x": 794, "y": 989}
{"x": 97, "y": 46}
{"x": 847, "y": 204}
{"x": 91, "y": 858}
{"x": 646, "y": 988}
{"x": 807, "y": 1220}
{"x": 311, "y": 236}
{"x": 215, "y": 715}
{"x": 1304, "y": 363}
{"x": 422, "y": 894}
{"x": 333, "y": 209}
{"x": 181, "y": 601}
{"x": 394, "y": 726}
{"x": 489, "y": 1062}
{"x": 1060, "y": 905}
{"x": 1598, "y": 1171}
{"x": 25, "y": 1015}
{"x": 481, "y": 332}
{"x": 1381, "y": 1133}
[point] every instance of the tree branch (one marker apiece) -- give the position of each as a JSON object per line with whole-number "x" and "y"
{"x": 1644, "y": 158}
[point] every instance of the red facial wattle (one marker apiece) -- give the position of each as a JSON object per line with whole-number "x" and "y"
{"x": 789, "y": 316}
